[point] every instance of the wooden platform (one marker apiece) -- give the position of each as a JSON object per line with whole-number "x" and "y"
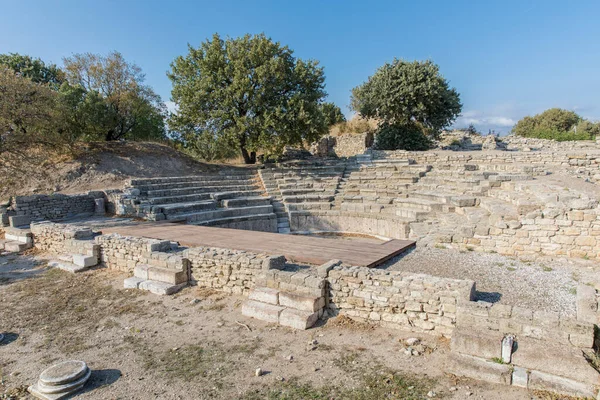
{"x": 296, "y": 248}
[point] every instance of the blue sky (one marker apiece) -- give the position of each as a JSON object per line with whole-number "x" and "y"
{"x": 506, "y": 58}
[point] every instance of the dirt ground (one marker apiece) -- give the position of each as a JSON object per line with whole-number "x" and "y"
{"x": 100, "y": 166}
{"x": 197, "y": 345}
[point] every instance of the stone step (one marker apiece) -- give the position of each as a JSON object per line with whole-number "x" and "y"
{"x": 166, "y": 275}
{"x": 247, "y": 201}
{"x": 282, "y": 224}
{"x": 368, "y": 199}
{"x": 284, "y": 230}
{"x": 182, "y": 208}
{"x": 13, "y": 246}
{"x": 66, "y": 266}
{"x": 226, "y": 174}
{"x": 412, "y": 214}
{"x": 203, "y": 181}
{"x": 155, "y": 287}
{"x": 179, "y": 199}
{"x": 235, "y": 194}
{"x": 309, "y": 198}
{"x": 231, "y": 220}
{"x": 309, "y": 206}
{"x": 419, "y": 204}
{"x": 201, "y": 189}
{"x": 196, "y": 217}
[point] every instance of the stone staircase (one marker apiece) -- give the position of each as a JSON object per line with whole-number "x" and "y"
{"x": 231, "y": 198}
{"x": 164, "y": 275}
{"x": 17, "y": 235}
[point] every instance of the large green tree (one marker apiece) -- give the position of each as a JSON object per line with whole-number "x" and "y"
{"x": 33, "y": 68}
{"x": 109, "y": 100}
{"x": 402, "y": 92}
{"x": 249, "y": 92}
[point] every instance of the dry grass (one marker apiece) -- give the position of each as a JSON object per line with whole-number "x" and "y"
{"x": 355, "y": 125}
{"x": 74, "y": 305}
{"x": 342, "y": 321}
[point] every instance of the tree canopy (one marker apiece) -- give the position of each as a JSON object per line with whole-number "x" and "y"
{"x": 33, "y": 68}
{"x": 557, "y": 124}
{"x": 403, "y": 92}
{"x": 249, "y": 92}
{"x": 333, "y": 114}
{"x": 108, "y": 98}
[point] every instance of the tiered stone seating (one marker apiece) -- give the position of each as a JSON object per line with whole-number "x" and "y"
{"x": 232, "y": 197}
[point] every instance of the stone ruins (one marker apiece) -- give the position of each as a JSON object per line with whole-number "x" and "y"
{"x": 519, "y": 198}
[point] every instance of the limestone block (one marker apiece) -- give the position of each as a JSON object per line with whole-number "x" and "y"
{"x": 478, "y": 368}
{"x": 132, "y": 283}
{"x": 265, "y": 295}
{"x": 479, "y": 343}
{"x": 171, "y": 276}
{"x": 520, "y": 377}
{"x": 587, "y": 304}
{"x": 16, "y": 247}
{"x": 542, "y": 355}
{"x": 543, "y": 381}
{"x": 160, "y": 288}
{"x": 141, "y": 271}
{"x": 261, "y": 311}
{"x": 66, "y": 266}
{"x": 84, "y": 261}
{"x": 323, "y": 270}
{"x": 298, "y": 319}
{"x": 299, "y": 302}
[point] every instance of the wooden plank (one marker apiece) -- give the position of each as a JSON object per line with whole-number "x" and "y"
{"x": 296, "y": 248}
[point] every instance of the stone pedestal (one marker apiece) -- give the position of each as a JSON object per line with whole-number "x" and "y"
{"x": 61, "y": 380}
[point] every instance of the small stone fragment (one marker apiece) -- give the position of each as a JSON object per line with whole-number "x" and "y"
{"x": 258, "y": 372}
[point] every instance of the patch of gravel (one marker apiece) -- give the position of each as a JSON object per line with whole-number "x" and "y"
{"x": 548, "y": 286}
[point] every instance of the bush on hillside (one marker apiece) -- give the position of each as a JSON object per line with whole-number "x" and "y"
{"x": 557, "y": 124}
{"x": 402, "y": 137}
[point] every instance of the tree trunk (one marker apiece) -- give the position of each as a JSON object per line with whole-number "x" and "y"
{"x": 249, "y": 158}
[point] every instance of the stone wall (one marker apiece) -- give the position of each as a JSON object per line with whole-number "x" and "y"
{"x": 344, "y": 145}
{"x": 54, "y": 206}
{"x": 341, "y": 221}
{"x": 64, "y": 239}
{"x": 232, "y": 271}
{"x": 397, "y": 299}
{"x": 124, "y": 253}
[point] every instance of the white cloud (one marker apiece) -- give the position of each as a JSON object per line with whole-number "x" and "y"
{"x": 484, "y": 121}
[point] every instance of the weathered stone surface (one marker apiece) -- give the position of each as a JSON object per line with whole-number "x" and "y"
{"x": 66, "y": 266}
{"x": 520, "y": 377}
{"x": 542, "y": 381}
{"x": 17, "y": 221}
{"x": 478, "y": 368}
{"x": 479, "y": 343}
{"x": 298, "y": 319}
{"x": 265, "y": 295}
{"x": 299, "y": 302}
{"x": 555, "y": 359}
{"x": 61, "y": 380}
{"x": 261, "y": 311}
{"x": 84, "y": 261}
{"x": 132, "y": 283}
{"x": 587, "y": 304}
{"x": 171, "y": 276}
{"x": 160, "y": 288}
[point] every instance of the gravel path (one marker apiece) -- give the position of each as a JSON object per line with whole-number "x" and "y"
{"x": 549, "y": 286}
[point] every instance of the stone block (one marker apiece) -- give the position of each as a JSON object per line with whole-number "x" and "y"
{"x": 300, "y": 302}
{"x": 478, "y": 368}
{"x": 84, "y": 261}
{"x": 132, "y": 283}
{"x": 323, "y": 270}
{"x": 542, "y": 381}
{"x": 16, "y": 247}
{"x": 555, "y": 359}
{"x": 298, "y": 319}
{"x": 520, "y": 377}
{"x": 171, "y": 276}
{"x": 141, "y": 271}
{"x": 160, "y": 288}
{"x": 17, "y": 221}
{"x": 479, "y": 343}
{"x": 265, "y": 295}
{"x": 587, "y": 304}
{"x": 66, "y": 266}
{"x": 261, "y": 311}
{"x": 274, "y": 262}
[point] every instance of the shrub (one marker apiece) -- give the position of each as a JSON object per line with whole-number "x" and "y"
{"x": 401, "y": 137}
{"x": 557, "y": 124}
